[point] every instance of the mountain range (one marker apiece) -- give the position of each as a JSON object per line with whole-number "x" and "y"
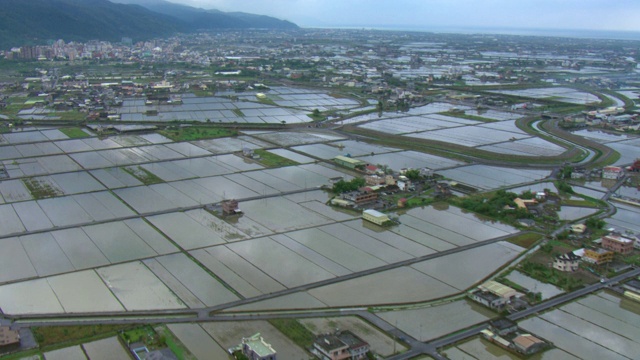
{"x": 35, "y": 21}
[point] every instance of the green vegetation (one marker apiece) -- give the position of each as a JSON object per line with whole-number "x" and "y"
{"x": 69, "y": 335}
{"x": 498, "y": 205}
{"x": 238, "y": 112}
{"x": 143, "y": 334}
{"x": 40, "y": 189}
{"x": 266, "y": 101}
{"x": 74, "y": 133}
{"x": 316, "y": 115}
{"x": 174, "y": 344}
{"x": 595, "y": 223}
{"x": 461, "y": 114}
{"x": 295, "y": 331}
{"x": 633, "y": 260}
{"x": 564, "y": 188}
{"x": 552, "y": 276}
{"x": 191, "y": 133}
{"x": 5, "y": 129}
{"x": 272, "y": 160}
{"x": 144, "y": 175}
{"x": 525, "y": 240}
{"x": 457, "y": 151}
{"x": 202, "y": 93}
{"x": 70, "y": 115}
{"x": 413, "y": 174}
{"x": 418, "y": 201}
{"x": 346, "y": 186}
{"x": 580, "y": 203}
{"x": 238, "y": 355}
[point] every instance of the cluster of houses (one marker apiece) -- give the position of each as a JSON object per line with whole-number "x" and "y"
{"x": 496, "y": 295}
{"x": 506, "y": 333}
{"x": 376, "y": 180}
{"x": 613, "y": 243}
{"x": 611, "y": 117}
{"x": 341, "y": 345}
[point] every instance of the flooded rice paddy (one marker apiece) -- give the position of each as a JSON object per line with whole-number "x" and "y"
{"x": 600, "y": 326}
{"x": 134, "y": 245}
{"x": 492, "y": 177}
{"x": 432, "y": 322}
{"x": 546, "y": 290}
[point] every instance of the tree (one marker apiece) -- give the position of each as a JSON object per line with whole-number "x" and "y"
{"x": 595, "y": 223}
{"x": 412, "y": 174}
{"x": 346, "y": 186}
{"x": 563, "y": 187}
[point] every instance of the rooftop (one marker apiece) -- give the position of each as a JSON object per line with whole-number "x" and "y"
{"x": 374, "y": 213}
{"x": 570, "y": 256}
{"x": 329, "y": 343}
{"x": 527, "y": 340}
{"x": 349, "y": 160}
{"x": 619, "y": 238}
{"x": 258, "y": 345}
{"x": 351, "y": 339}
{"x": 498, "y": 289}
{"x": 8, "y": 336}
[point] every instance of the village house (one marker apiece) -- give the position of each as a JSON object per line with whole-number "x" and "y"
{"x": 567, "y": 262}
{"x": 618, "y": 243}
{"x": 494, "y": 295}
{"x": 612, "y": 172}
{"x": 342, "y": 345}
{"x": 597, "y": 256}
{"x": 255, "y": 348}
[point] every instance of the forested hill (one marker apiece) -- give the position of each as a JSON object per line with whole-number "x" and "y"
{"x": 211, "y": 19}
{"x": 36, "y": 21}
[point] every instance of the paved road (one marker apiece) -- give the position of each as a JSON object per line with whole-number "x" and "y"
{"x": 205, "y": 313}
{"x": 430, "y": 347}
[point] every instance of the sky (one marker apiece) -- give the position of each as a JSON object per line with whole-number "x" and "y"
{"x": 617, "y": 15}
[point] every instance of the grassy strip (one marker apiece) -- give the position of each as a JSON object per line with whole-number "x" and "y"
{"x": 526, "y": 240}
{"x": 267, "y": 101}
{"x": 460, "y": 114}
{"x": 316, "y": 117}
{"x": 175, "y": 345}
{"x": 70, "y": 115}
{"x": 580, "y": 203}
{"x": 40, "y": 190}
{"x": 604, "y": 155}
{"x": 238, "y": 112}
{"x": 295, "y": 331}
{"x": 13, "y": 109}
{"x": 74, "y": 133}
{"x": 550, "y": 276}
{"x": 456, "y": 151}
{"x": 191, "y": 133}
{"x": 561, "y": 244}
{"x": 144, "y": 175}
{"x": 66, "y": 335}
{"x": 272, "y": 160}
{"x": 202, "y": 93}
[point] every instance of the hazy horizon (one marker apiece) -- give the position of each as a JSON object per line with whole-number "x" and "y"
{"x": 567, "y": 15}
